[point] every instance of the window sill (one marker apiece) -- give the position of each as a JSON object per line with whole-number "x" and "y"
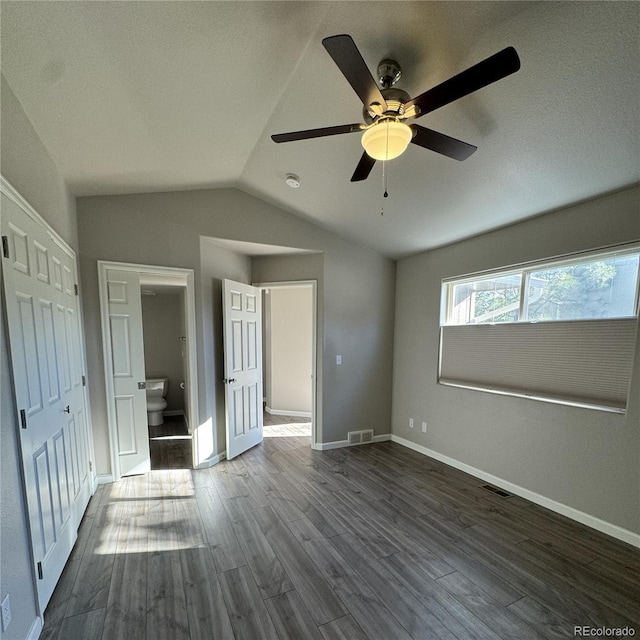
{"x": 580, "y": 404}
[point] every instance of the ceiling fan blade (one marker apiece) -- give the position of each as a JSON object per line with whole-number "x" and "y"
{"x": 345, "y": 54}
{"x": 440, "y": 143}
{"x": 316, "y": 133}
{"x": 364, "y": 168}
{"x": 480, "y": 75}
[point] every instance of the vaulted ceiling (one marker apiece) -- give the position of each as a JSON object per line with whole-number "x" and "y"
{"x": 156, "y": 96}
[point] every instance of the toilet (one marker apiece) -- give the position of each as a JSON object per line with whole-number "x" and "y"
{"x": 156, "y": 391}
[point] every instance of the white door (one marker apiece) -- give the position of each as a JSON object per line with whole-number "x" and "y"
{"x": 39, "y": 275}
{"x": 243, "y": 366}
{"x": 129, "y": 404}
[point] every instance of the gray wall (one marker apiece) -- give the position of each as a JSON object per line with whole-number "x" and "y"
{"x": 585, "y": 459}
{"x": 217, "y": 264}
{"x": 355, "y": 320}
{"x": 165, "y": 229}
{"x": 26, "y": 164}
{"x": 161, "y": 326}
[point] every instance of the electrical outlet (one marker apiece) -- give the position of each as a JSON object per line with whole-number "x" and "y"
{"x": 424, "y": 427}
{"x": 6, "y": 612}
{"x": 411, "y": 423}
{"x": 338, "y": 360}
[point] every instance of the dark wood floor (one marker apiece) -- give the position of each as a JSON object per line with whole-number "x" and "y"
{"x": 170, "y": 444}
{"x": 372, "y": 542}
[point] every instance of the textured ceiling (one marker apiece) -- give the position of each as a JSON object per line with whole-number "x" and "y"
{"x": 155, "y": 96}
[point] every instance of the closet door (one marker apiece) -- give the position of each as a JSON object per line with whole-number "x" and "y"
{"x": 73, "y": 379}
{"x": 39, "y": 277}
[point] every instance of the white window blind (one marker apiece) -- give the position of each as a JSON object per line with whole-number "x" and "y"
{"x": 587, "y": 362}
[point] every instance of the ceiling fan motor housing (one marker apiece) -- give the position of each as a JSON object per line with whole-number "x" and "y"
{"x": 395, "y": 99}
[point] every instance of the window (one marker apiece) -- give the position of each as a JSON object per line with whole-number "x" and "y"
{"x": 599, "y": 286}
{"x": 561, "y": 331}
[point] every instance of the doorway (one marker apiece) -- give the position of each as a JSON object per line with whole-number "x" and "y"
{"x": 131, "y": 358}
{"x": 289, "y": 358}
{"x": 165, "y": 360}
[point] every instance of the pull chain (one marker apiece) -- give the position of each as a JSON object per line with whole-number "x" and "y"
{"x": 384, "y": 173}
{"x": 384, "y": 185}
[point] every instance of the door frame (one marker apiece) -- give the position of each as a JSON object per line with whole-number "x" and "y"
{"x": 289, "y": 284}
{"x": 183, "y": 278}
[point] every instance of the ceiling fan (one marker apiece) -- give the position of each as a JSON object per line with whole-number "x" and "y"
{"x": 385, "y": 133}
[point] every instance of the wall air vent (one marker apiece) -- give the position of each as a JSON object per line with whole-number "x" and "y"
{"x": 360, "y": 437}
{"x": 499, "y": 492}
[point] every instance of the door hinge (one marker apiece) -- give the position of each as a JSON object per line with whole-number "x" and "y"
{"x": 5, "y": 246}
{"x": 40, "y": 574}
{"x": 84, "y": 381}
{"x": 90, "y": 465}
{"x": 23, "y": 418}
{"x": 75, "y": 288}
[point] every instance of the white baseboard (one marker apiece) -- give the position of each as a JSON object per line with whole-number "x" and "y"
{"x": 338, "y": 444}
{"x": 36, "y": 629}
{"x": 104, "y": 478}
{"x": 213, "y": 460}
{"x": 284, "y": 412}
{"x": 579, "y": 516}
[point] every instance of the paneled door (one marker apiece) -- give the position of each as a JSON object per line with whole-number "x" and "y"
{"x": 243, "y": 366}
{"x": 40, "y": 285}
{"x": 129, "y": 404}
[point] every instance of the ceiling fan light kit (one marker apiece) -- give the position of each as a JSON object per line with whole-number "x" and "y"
{"x": 386, "y": 136}
{"x": 386, "y": 139}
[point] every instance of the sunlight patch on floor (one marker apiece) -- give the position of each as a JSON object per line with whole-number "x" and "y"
{"x": 287, "y": 430}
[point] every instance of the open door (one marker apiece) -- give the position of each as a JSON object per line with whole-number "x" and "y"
{"x": 129, "y": 404}
{"x": 242, "y": 309}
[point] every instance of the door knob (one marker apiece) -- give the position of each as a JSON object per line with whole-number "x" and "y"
{"x": 229, "y": 380}
{"x": 66, "y": 409}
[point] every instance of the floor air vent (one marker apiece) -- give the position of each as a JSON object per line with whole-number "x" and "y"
{"x": 360, "y": 437}
{"x": 499, "y": 492}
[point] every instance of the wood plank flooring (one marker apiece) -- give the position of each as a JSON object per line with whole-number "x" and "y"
{"x": 285, "y": 426}
{"x": 373, "y": 542}
{"x": 170, "y": 444}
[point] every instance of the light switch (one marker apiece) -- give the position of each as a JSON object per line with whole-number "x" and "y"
{"x": 338, "y": 359}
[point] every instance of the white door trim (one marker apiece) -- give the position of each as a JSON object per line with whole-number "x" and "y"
{"x": 184, "y": 278}
{"x": 316, "y": 424}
